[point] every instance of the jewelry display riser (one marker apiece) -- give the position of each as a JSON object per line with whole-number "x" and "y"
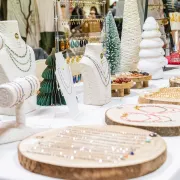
{"x": 96, "y": 76}
{"x": 120, "y": 90}
{"x": 164, "y": 124}
{"x": 161, "y": 96}
{"x": 141, "y": 82}
{"x": 13, "y": 95}
{"x": 17, "y": 60}
{"x": 36, "y": 155}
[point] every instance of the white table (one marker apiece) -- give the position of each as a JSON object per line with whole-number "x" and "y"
{"x": 56, "y": 117}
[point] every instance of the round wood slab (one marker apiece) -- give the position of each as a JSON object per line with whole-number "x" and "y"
{"x": 174, "y": 82}
{"x": 148, "y": 98}
{"x": 98, "y": 153}
{"x": 162, "y": 119}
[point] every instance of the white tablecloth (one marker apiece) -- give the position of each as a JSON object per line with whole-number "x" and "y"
{"x": 56, "y": 117}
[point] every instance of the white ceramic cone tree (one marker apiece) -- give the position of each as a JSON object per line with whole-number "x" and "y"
{"x": 151, "y": 55}
{"x": 131, "y": 37}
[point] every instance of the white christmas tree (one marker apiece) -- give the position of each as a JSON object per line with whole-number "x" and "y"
{"x": 131, "y": 36}
{"x": 151, "y": 55}
{"x": 112, "y": 43}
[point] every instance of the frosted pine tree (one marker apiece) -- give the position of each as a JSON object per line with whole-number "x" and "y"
{"x": 131, "y": 36}
{"x": 112, "y": 43}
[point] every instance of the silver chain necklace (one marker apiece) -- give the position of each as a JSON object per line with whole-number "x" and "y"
{"x": 68, "y": 87}
{"x": 105, "y": 79}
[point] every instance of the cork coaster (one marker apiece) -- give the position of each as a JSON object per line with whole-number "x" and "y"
{"x": 99, "y": 152}
{"x": 159, "y": 118}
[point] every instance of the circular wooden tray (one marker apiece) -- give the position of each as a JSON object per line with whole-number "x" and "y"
{"x": 146, "y": 99}
{"x": 49, "y": 161}
{"x": 174, "y": 82}
{"x": 162, "y": 119}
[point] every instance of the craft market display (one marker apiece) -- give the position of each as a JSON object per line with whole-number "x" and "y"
{"x": 161, "y": 96}
{"x": 100, "y": 152}
{"x": 160, "y": 118}
{"x": 102, "y": 93}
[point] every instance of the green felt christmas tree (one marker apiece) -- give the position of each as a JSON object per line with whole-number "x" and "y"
{"x": 50, "y": 94}
{"x": 112, "y": 43}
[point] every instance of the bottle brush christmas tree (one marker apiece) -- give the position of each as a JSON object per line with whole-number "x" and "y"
{"x": 50, "y": 94}
{"x": 112, "y": 43}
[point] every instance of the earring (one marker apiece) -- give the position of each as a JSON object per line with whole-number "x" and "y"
{"x": 67, "y": 44}
{"x": 85, "y": 42}
{"x": 72, "y": 44}
{"x": 77, "y": 43}
{"x": 81, "y": 43}
{"x": 62, "y": 45}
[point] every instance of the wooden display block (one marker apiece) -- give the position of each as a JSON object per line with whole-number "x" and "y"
{"x": 159, "y": 118}
{"x": 120, "y": 90}
{"x": 141, "y": 81}
{"x": 161, "y": 96}
{"x": 174, "y": 82}
{"x": 81, "y": 153}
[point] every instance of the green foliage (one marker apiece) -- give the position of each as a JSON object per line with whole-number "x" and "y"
{"x": 50, "y": 95}
{"x": 112, "y": 43}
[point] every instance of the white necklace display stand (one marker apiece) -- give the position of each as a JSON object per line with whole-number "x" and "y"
{"x": 65, "y": 80}
{"x": 17, "y": 60}
{"x": 96, "y": 76}
{"x": 13, "y": 95}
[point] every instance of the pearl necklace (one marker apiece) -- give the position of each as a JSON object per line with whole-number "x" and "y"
{"x": 105, "y": 78}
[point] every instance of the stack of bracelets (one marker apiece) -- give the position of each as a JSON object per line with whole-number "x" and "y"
{"x": 17, "y": 91}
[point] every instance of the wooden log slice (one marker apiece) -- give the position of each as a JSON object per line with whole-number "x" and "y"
{"x": 162, "y": 119}
{"x": 53, "y": 153}
{"x": 161, "y": 96}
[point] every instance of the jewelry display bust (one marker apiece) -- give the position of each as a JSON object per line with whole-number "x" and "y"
{"x": 17, "y": 60}
{"x": 96, "y": 76}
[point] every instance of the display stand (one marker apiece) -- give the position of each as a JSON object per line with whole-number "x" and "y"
{"x": 161, "y": 96}
{"x": 96, "y": 76}
{"x": 64, "y": 77}
{"x": 162, "y": 119}
{"x": 96, "y": 153}
{"x": 120, "y": 90}
{"x": 13, "y": 95}
{"x": 141, "y": 82}
{"x": 17, "y": 60}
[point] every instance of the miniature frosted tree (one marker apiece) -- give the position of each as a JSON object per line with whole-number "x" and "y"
{"x": 151, "y": 55}
{"x": 131, "y": 36}
{"x": 112, "y": 43}
{"x": 50, "y": 94}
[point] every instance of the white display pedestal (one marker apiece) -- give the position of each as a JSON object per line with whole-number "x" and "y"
{"x": 17, "y": 60}
{"x": 96, "y": 76}
{"x": 13, "y": 95}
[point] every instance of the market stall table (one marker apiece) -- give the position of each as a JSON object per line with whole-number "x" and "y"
{"x": 56, "y": 117}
